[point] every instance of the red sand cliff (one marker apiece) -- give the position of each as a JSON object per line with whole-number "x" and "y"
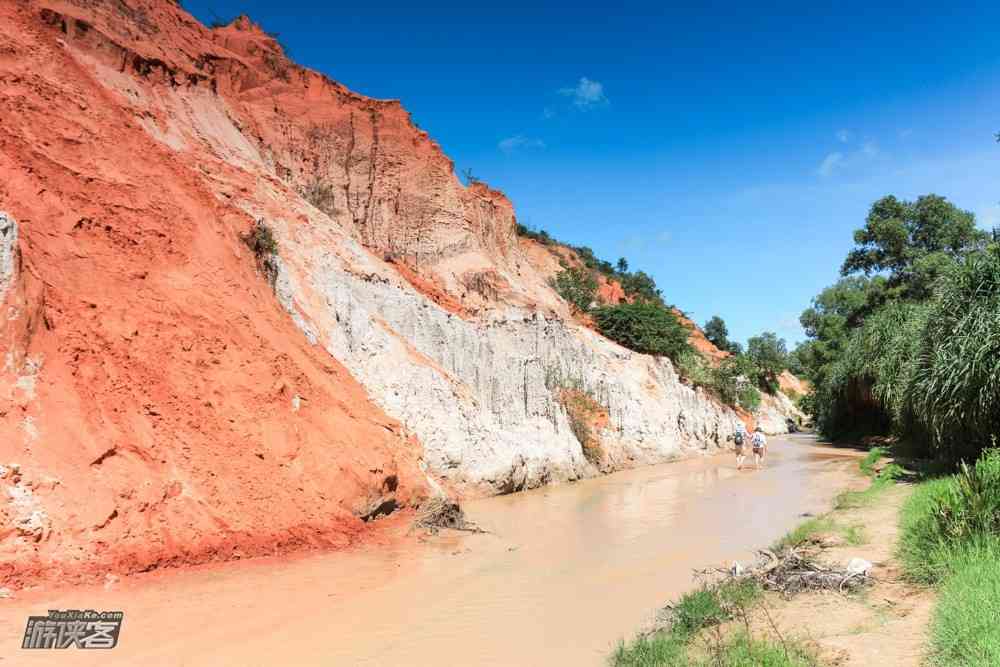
{"x": 158, "y": 404}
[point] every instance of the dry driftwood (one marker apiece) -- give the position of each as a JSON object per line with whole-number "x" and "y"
{"x": 791, "y": 571}
{"x": 439, "y": 512}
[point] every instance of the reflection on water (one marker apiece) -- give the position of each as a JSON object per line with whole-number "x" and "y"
{"x": 566, "y": 572}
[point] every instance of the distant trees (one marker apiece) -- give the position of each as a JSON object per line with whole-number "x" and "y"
{"x": 717, "y": 333}
{"x": 622, "y": 265}
{"x": 912, "y": 243}
{"x": 908, "y": 340}
{"x": 769, "y": 355}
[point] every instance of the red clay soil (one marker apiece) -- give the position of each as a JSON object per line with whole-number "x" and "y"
{"x": 160, "y": 406}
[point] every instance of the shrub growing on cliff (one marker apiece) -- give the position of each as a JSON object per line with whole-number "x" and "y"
{"x": 582, "y": 409}
{"x": 577, "y": 285}
{"x": 321, "y": 195}
{"x": 264, "y": 245}
{"x": 645, "y": 327}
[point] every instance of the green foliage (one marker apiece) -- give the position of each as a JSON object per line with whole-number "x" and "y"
{"x": 708, "y": 607}
{"x": 639, "y": 285}
{"x": 953, "y": 384}
{"x": 804, "y": 532}
{"x": 874, "y": 455}
{"x": 622, "y": 265}
{"x": 947, "y": 514}
{"x": 738, "y": 650}
{"x": 914, "y": 345}
{"x": 645, "y": 327}
{"x": 541, "y": 236}
{"x": 770, "y": 358}
{"x": 881, "y": 482}
{"x": 692, "y": 366}
{"x": 260, "y": 239}
{"x": 749, "y": 398}
{"x": 592, "y": 262}
{"x": 578, "y": 286}
{"x": 912, "y": 242}
{"x": 950, "y": 536}
{"x": 697, "y": 609}
{"x": 717, "y": 333}
{"x": 964, "y": 630}
{"x": 660, "y": 649}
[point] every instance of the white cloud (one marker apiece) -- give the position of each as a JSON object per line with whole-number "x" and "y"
{"x": 905, "y": 133}
{"x": 843, "y": 136}
{"x": 586, "y": 94}
{"x": 870, "y": 148}
{"x": 518, "y": 142}
{"x": 639, "y": 243}
{"x": 547, "y": 113}
{"x": 830, "y": 164}
{"x": 988, "y": 217}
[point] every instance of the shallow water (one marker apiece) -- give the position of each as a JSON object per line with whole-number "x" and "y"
{"x": 566, "y": 572}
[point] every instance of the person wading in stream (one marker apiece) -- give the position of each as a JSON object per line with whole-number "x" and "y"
{"x": 759, "y": 446}
{"x": 739, "y": 440}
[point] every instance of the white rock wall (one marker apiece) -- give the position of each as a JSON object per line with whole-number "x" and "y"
{"x": 479, "y": 395}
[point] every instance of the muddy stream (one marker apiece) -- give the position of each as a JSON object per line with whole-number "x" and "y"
{"x": 565, "y": 573}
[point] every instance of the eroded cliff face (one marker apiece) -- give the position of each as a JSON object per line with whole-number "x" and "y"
{"x": 408, "y": 343}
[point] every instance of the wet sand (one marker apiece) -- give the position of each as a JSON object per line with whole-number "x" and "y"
{"x": 566, "y": 572}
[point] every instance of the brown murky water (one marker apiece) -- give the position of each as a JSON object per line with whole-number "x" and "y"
{"x": 568, "y": 571}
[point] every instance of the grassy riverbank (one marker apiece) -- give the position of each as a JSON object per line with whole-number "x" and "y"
{"x": 934, "y": 601}
{"x": 951, "y": 540}
{"x": 736, "y": 623}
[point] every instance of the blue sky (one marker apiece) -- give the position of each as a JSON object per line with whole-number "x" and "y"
{"x": 728, "y": 151}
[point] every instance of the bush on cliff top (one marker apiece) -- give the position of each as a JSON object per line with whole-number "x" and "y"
{"x": 645, "y": 327}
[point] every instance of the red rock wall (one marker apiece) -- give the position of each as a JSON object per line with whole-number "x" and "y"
{"x": 158, "y": 404}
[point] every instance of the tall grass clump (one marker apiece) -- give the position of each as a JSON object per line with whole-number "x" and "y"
{"x": 706, "y": 608}
{"x": 951, "y": 538}
{"x": 954, "y": 387}
{"x": 965, "y": 627}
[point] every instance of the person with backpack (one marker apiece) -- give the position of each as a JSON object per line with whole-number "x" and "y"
{"x": 759, "y": 442}
{"x": 739, "y": 438}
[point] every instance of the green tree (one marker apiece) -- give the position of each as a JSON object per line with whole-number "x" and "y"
{"x": 622, "y": 265}
{"x": 717, "y": 333}
{"x": 577, "y": 285}
{"x": 913, "y": 243}
{"x": 769, "y": 355}
{"x": 828, "y": 322}
{"x": 641, "y": 286}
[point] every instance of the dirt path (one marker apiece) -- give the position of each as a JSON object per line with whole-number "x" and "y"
{"x": 884, "y": 625}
